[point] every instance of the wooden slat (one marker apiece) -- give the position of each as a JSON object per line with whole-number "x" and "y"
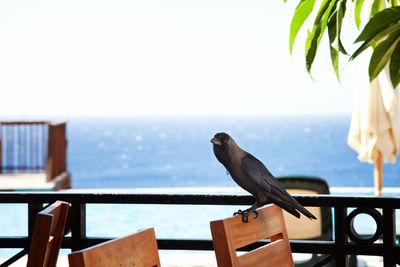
{"x": 139, "y": 249}
{"x": 273, "y": 254}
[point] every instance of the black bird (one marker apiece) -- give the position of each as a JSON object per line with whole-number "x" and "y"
{"x": 251, "y": 174}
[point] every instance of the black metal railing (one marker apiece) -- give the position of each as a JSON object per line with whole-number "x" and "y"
{"x": 346, "y": 240}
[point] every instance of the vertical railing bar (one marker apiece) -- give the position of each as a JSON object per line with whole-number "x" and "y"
{"x": 340, "y": 236}
{"x": 23, "y": 144}
{"x": 32, "y": 138}
{"x": 7, "y": 143}
{"x": 78, "y": 227}
{"x": 32, "y": 127}
{"x": 11, "y": 148}
{"x": 6, "y": 155}
{"x": 389, "y": 236}
{"x": 17, "y": 148}
{"x": 23, "y": 147}
{"x": 39, "y": 144}
{"x": 33, "y": 209}
{"x": 14, "y": 148}
{"x": 1, "y": 147}
{"x": 5, "y": 147}
{"x": 39, "y": 155}
{"x": 27, "y": 145}
{"x": 41, "y": 147}
{"x": 31, "y": 147}
{"x": 37, "y": 147}
{"x": 44, "y": 148}
{"x": 20, "y": 147}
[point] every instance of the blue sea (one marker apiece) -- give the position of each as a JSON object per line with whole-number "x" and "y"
{"x": 176, "y": 152}
{"x": 123, "y": 153}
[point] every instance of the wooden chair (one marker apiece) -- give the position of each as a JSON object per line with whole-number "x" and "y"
{"x": 47, "y": 235}
{"x": 231, "y": 233}
{"x": 139, "y": 249}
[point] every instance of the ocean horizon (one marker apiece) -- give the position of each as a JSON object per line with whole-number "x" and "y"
{"x": 124, "y": 152}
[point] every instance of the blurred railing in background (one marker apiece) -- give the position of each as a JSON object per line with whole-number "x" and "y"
{"x": 33, "y": 146}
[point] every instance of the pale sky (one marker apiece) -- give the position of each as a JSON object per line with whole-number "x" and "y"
{"x": 165, "y": 57}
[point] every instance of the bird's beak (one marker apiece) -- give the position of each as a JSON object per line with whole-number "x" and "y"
{"x": 215, "y": 141}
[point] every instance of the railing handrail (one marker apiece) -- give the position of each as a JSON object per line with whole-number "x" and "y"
{"x": 23, "y": 122}
{"x": 338, "y": 248}
{"x": 51, "y": 122}
{"x": 311, "y": 200}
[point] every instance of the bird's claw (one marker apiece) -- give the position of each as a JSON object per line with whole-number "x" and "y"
{"x": 255, "y": 214}
{"x": 245, "y": 214}
{"x": 239, "y": 212}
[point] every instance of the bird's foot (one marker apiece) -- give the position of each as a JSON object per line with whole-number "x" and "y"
{"x": 245, "y": 214}
{"x": 239, "y": 212}
{"x": 255, "y": 214}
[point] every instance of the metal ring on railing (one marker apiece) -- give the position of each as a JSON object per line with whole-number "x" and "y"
{"x": 352, "y": 233}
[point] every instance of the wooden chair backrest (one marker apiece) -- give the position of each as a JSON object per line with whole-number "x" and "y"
{"x": 231, "y": 233}
{"x": 138, "y": 249}
{"x": 47, "y": 235}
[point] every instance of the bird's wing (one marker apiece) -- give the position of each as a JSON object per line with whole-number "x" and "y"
{"x": 259, "y": 174}
{"x": 256, "y": 170}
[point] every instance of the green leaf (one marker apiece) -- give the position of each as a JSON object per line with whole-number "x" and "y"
{"x": 303, "y": 10}
{"x": 375, "y": 39}
{"x": 314, "y": 37}
{"x": 312, "y": 45}
{"x": 335, "y": 60}
{"x": 379, "y": 22}
{"x": 357, "y": 12}
{"x": 394, "y": 66}
{"x": 333, "y": 50}
{"x": 334, "y": 29}
{"x": 332, "y": 34}
{"x": 341, "y": 9}
{"x": 382, "y": 54}
{"x": 376, "y": 7}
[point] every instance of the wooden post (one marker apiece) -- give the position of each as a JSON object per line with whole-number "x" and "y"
{"x": 378, "y": 175}
{"x": 57, "y": 150}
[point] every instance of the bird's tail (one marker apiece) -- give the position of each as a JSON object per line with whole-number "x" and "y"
{"x": 289, "y": 207}
{"x": 306, "y": 212}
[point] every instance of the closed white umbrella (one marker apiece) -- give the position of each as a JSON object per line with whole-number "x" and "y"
{"x": 374, "y": 128}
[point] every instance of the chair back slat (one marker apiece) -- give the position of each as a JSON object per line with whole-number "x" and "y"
{"x": 231, "y": 234}
{"x": 270, "y": 254}
{"x": 47, "y": 235}
{"x": 139, "y": 249}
